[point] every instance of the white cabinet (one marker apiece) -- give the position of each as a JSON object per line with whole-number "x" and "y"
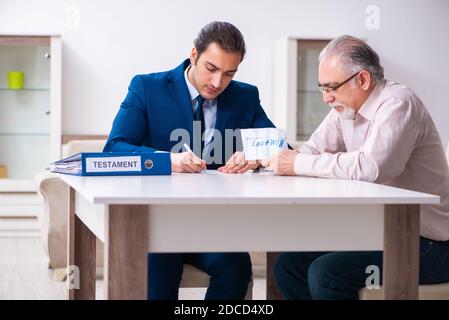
{"x": 30, "y": 126}
{"x": 298, "y": 104}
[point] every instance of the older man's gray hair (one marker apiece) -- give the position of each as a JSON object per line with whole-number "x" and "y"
{"x": 355, "y": 55}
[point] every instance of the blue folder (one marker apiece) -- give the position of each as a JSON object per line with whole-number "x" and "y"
{"x": 114, "y": 164}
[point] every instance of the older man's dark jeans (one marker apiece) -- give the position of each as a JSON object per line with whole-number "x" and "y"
{"x": 340, "y": 275}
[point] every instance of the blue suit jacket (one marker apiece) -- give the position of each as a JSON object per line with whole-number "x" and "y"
{"x": 159, "y": 103}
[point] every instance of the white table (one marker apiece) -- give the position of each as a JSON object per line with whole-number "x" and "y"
{"x": 134, "y": 215}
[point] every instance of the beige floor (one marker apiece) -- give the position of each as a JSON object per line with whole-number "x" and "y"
{"x": 24, "y": 275}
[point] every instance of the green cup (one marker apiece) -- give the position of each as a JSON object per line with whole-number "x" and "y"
{"x": 15, "y": 80}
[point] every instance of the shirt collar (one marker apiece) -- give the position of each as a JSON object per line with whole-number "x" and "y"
{"x": 369, "y": 107}
{"x": 192, "y": 90}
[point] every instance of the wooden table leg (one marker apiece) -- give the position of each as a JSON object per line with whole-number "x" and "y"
{"x": 81, "y": 256}
{"x": 125, "y": 254}
{"x": 401, "y": 251}
{"x": 273, "y": 292}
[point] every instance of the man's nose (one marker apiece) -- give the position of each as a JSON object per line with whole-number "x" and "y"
{"x": 216, "y": 80}
{"x": 328, "y": 98}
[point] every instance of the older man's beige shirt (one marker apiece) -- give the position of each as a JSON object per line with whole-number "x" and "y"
{"x": 392, "y": 140}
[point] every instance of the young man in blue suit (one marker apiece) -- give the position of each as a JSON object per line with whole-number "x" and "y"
{"x": 197, "y": 102}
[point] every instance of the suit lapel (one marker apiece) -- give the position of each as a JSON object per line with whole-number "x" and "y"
{"x": 223, "y": 110}
{"x": 180, "y": 93}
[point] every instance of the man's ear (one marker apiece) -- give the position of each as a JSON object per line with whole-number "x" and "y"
{"x": 193, "y": 56}
{"x": 365, "y": 80}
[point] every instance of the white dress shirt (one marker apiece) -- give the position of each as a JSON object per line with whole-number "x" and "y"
{"x": 209, "y": 111}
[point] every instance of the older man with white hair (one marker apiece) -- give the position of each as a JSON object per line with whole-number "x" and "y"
{"x": 378, "y": 131}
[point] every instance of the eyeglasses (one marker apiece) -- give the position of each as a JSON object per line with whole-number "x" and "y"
{"x": 327, "y": 89}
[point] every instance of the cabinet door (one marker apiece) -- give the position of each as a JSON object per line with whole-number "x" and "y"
{"x": 310, "y": 109}
{"x": 298, "y": 104}
{"x": 30, "y": 124}
{"x": 55, "y": 98}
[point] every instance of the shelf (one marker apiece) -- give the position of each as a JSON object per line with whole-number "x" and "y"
{"x": 30, "y": 40}
{"x": 25, "y": 90}
{"x": 17, "y": 185}
{"x": 309, "y": 91}
{"x": 24, "y": 134}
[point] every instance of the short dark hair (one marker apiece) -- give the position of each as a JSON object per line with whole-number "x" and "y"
{"x": 225, "y": 34}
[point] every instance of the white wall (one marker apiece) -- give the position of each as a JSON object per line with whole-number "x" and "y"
{"x": 117, "y": 39}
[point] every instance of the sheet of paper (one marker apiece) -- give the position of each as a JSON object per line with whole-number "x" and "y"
{"x": 213, "y": 172}
{"x": 261, "y": 143}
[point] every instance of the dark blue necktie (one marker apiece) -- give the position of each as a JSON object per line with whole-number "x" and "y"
{"x": 198, "y": 115}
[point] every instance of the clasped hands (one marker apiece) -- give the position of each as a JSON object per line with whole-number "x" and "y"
{"x": 281, "y": 163}
{"x": 189, "y": 162}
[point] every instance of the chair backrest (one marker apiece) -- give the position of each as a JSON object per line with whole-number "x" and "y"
{"x": 76, "y": 146}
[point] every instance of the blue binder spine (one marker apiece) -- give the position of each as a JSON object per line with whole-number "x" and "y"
{"x": 121, "y": 164}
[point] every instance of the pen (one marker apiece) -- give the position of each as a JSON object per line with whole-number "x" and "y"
{"x": 186, "y": 146}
